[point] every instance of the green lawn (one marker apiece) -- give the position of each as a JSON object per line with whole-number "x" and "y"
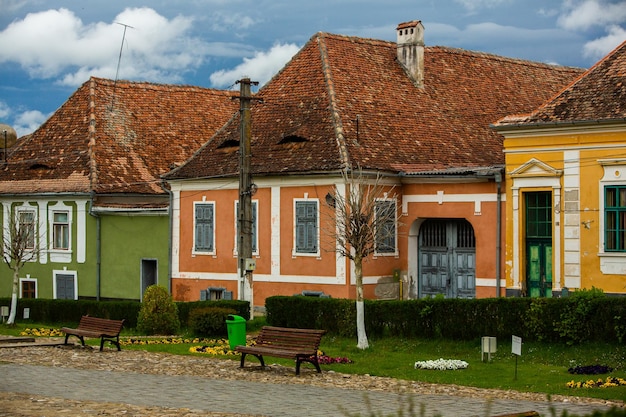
{"x": 540, "y": 368}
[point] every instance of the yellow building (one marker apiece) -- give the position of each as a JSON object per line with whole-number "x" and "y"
{"x": 566, "y": 193}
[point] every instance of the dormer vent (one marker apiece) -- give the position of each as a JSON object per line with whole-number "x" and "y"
{"x": 410, "y": 49}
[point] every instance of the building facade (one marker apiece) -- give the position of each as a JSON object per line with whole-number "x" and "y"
{"x": 566, "y": 167}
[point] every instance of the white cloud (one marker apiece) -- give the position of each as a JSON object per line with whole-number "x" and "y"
{"x": 28, "y": 121}
{"x": 5, "y": 111}
{"x": 261, "y": 67}
{"x": 583, "y": 15}
{"x": 231, "y": 22}
{"x": 57, "y": 44}
{"x": 25, "y": 122}
{"x": 600, "y": 47}
{"x": 10, "y": 6}
{"x": 473, "y": 5}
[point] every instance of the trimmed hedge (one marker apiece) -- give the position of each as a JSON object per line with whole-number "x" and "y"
{"x": 69, "y": 312}
{"x": 586, "y": 316}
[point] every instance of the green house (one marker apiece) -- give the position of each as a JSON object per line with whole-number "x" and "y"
{"x": 88, "y": 182}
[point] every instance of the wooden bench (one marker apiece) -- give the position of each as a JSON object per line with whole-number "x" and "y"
{"x": 105, "y": 329}
{"x": 283, "y": 342}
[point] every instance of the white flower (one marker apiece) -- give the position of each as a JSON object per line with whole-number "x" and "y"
{"x": 441, "y": 364}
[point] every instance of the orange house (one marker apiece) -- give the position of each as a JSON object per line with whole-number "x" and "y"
{"x": 416, "y": 116}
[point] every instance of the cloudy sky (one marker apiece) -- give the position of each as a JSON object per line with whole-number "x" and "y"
{"x": 48, "y": 48}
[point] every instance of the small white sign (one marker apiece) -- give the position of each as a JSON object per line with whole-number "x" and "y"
{"x": 26, "y": 313}
{"x": 516, "y": 345}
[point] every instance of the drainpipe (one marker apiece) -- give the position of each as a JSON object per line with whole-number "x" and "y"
{"x": 171, "y": 227}
{"x": 98, "y": 246}
{"x": 498, "y": 178}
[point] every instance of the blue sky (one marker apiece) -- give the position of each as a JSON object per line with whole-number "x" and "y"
{"x": 48, "y": 48}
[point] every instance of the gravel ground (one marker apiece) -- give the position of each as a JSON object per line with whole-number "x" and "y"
{"x": 20, "y": 405}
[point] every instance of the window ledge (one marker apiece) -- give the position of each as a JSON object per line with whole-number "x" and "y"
{"x": 612, "y": 263}
{"x": 196, "y": 253}
{"x": 295, "y": 254}
{"x": 60, "y": 255}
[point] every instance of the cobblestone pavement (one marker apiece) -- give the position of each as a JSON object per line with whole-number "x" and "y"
{"x": 68, "y": 381}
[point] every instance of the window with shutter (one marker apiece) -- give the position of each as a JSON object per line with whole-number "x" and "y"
{"x": 306, "y": 227}
{"x": 204, "y": 227}
{"x": 385, "y": 220}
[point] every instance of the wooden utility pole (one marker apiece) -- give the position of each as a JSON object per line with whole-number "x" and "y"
{"x": 246, "y": 189}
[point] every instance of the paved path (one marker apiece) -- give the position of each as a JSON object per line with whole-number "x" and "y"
{"x": 243, "y": 397}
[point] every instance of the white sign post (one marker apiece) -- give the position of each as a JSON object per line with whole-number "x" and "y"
{"x": 516, "y": 348}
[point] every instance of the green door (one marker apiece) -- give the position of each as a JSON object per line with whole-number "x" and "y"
{"x": 539, "y": 269}
{"x": 539, "y": 244}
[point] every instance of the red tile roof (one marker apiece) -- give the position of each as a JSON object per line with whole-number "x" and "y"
{"x": 346, "y": 100}
{"x": 599, "y": 95}
{"x": 115, "y": 137}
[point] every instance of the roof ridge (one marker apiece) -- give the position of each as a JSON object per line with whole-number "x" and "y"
{"x": 434, "y": 48}
{"x": 334, "y": 113}
{"x": 488, "y": 55}
{"x": 158, "y": 86}
{"x": 91, "y": 135}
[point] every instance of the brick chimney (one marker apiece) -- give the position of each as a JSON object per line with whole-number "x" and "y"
{"x": 411, "y": 49}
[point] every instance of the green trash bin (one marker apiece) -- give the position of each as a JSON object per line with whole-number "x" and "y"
{"x": 236, "y": 327}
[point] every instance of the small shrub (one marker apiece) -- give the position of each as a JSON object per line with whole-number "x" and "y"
{"x": 575, "y": 323}
{"x": 158, "y": 314}
{"x": 209, "y": 321}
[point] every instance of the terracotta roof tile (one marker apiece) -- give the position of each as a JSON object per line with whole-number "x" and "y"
{"x": 347, "y": 100}
{"x": 597, "y": 95}
{"x": 116, "y": 137}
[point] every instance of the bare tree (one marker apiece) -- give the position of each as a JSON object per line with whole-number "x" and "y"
{"x": 365, "y": 220}
{"x": 18, "y": 247}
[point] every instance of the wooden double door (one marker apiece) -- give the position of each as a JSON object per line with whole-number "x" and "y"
{"x": 447, "y": 259}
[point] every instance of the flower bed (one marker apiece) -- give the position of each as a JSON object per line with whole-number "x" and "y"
{"x": 42, "y": 332}
{"x": 204, "y": 346}
{"x": 610, "y": 381}
{"x": 590, "y": 370}
{"x": 441, "y": 364}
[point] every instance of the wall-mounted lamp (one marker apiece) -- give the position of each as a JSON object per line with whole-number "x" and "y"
{"x": 587, "y": 224}
{"x": 330, "y": 200}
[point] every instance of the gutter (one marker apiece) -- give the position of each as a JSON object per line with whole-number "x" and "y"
{"x": 498, "y": 179}
{"x": 591, "y": 122}
{"x": 170, "y": 233}
{"x": 93, "y": 213}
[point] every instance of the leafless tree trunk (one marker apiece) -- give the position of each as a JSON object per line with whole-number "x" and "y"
{"x": 18, "y": 247}
{"x": 357, "y": 227}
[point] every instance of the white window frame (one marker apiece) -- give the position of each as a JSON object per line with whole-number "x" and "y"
{"x": 64, "y": 227}
{"x": 295, "y": 251}
{"x": 212, "y": 250}
{"x": 255, "y": 227}
{"x": 611, "y": 262}
{"x": 29, "y": 279}
{"x": 56, "y": 254}
{"x": 395, "y": 226}
{"x": 64, "y": 272}
{"x": 33, "y": 210}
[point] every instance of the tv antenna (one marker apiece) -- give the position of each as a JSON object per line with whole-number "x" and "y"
{"x": 119, "y": 60}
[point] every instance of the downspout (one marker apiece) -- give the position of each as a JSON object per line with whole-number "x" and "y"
{"x": 98, "y": 246}
{"x": 169, "y": 241}
{"x": 498, "y": 178}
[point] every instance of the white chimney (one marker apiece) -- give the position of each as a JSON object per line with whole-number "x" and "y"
{"x": 411, "y": 49}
